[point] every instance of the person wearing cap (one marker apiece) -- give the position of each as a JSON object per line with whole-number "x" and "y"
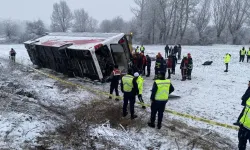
{"x": 115, "y": 78}
{"x": 129, "y": 87}
{"x": 227, "y": 59}
{"x": 244, "y": 98}
{"x": 160, "y": 92}
{"x": 190, "y": 66}
{"x": 139, "y": 81}
{"x": 244, "y": 123}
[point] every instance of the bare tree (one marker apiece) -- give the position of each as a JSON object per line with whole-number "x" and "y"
{"x": 105, "y": 26}
{"x": 117, "y": 24}
{"x": 81, "y": 20}
{"x": 237, "y": 17}
{"x": 36, "y": 28}
{"x": 139, "y": 12}
{"x": 92, "y": 24}
{"x": 10, "y": 29}
{"x": 202, "y": 18}
{"x": 220, "y": 14}
{"x": 61, "y": 17}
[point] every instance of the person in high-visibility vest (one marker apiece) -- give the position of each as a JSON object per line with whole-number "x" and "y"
{"x": 244, "y": 131}
{"x": 159, "y": 97}
{"x": 142, "y": 49}
{"x": 242, "y": 54}
{"x": 129, "y": 87}
{"x": 244, "y": 98}
{"x": 140, "y": 82}
{"x": 227, "y": 59}
{"x": 137, "y": 50}
{"x": 248, "y": 54}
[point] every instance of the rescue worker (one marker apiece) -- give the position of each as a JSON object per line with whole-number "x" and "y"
{"x": 183, "y": 67}
{"x": 137, "y": 50}
{"x": 158, "y": 64}
{"x": 130, "y": 89}
{"x": 115, "y": 78}
{"x": 169, "y": 66}
{"x": 227, "y": 59}
{"x": 248, "y": 54}
{"x": 148, "y": 65}
{"x": 190, "y": 66}
{"x": 167, "y": 51}
{"x": 244, "y": 98}
{"x": 142, "y": 49}
{"x": 159, "y": 97}
{"x": 244, "y": 131}
{"x": 139, "y": 81}
{"x": 12, "y": 54}
{"x": 242, "y": 54}
{"x": 144, "y": 63}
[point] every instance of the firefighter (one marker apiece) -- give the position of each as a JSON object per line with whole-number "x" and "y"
{"x": 158, "y": 64}
{"x": 115, "y": 78}
{"x": 139, "y": 81}
{"x": 130, "y": 89}
{"x": 142, "y": 49}
{"x": 242, "y": 54}
{"x": 159, "y": 97}
{"x": 183, "y": 67}
{"x": 12, "y": 55}
{"x": 227, "y": 59}
{"x": 244, "y": 131}
{"x": 144, "y": 63}
{"x": 148, "y": 65}
{"x": 190, "y": 66}
{"x": 248, "y": 54}
{"x": 174, "y": 61}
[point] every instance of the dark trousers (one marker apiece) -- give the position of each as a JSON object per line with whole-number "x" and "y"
{"x": 157, "y": 106}
{"x": 144, "y": 69}
{"x": 226, "y": 66}
{"x": 241, "y": 114}
{"x": 184, "y": 73}
{"x": 169, "y": 73}
{"x": 242, "y": 57}
{"x": 114, "y": 87}
{"x": 148, "y": 70}
{"x": 248, "y": 57}
{"x": 128, "y": 98}
{"x": 243, "y": 136}
{"x": 189, "y": 72}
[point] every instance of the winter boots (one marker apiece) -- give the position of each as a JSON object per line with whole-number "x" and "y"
{"x": 152, "y": 125}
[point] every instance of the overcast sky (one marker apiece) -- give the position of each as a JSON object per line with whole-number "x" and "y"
{"x": 42, "y": 9}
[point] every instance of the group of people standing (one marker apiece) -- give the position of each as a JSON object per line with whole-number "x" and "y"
{"x": 244, "y": 53}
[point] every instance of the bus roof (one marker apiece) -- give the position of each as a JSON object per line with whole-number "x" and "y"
{"x": 79, "y": 41}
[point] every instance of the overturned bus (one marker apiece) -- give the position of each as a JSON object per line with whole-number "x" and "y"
{"x": 91, "y": 55}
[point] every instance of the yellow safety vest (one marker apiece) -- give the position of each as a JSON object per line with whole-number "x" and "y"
{"x": 248, "y": 53}
{"x": 127, "y": 81}
{"x": 163, "y": 90}
{"x": 142, "y": 48}
{"x": 227, "y": 58}
{"x": 245, "y": 119}
{"x": 137, "y": 50}
{"x": 140, "y": 81}
{"x": 242, "y": 52}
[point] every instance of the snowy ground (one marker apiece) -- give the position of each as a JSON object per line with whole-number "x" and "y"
{"x": 211, "y": 94}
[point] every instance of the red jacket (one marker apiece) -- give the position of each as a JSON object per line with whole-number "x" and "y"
{"x": 169, "y": 63}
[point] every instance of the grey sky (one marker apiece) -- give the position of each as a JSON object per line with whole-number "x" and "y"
{"x": 35, "y": 9}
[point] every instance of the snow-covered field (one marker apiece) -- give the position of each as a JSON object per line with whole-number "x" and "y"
{"x": 211, "y": 94}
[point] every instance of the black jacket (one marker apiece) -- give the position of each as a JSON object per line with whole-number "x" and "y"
{"x": 148, "y": 61}
{"x": 245, "y": 97}
{"x": 155, "y": 88}
{"x": 135, "y": 90}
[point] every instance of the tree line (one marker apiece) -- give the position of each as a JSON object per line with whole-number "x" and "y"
{"x": 193, "y": 22}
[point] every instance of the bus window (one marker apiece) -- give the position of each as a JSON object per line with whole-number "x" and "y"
{"x": 119, "y": 56}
